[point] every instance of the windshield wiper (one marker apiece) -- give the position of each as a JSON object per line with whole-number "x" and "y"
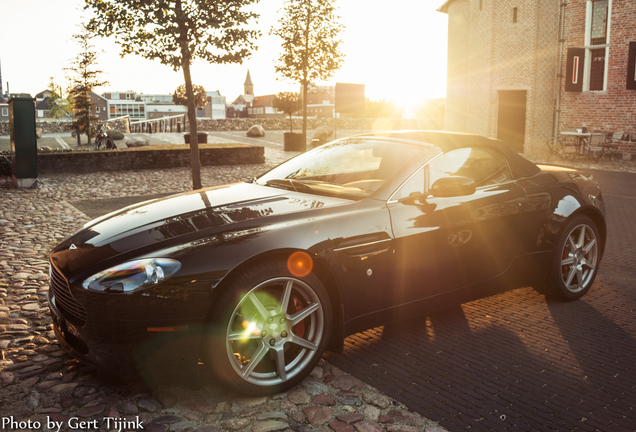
{"x": 289, "y": 184}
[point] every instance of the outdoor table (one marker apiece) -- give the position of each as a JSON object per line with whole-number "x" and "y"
{"x": 581, "y": 140}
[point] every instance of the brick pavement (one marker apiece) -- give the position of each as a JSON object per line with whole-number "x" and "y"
{"x": 516, "y": 361}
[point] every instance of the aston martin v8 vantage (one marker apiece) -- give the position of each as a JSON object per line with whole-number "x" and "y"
{"x": 257, "y": 279}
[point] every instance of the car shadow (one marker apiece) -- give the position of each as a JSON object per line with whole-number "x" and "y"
{"x": 605, "y": 355}
{"x": 484, "y": 365}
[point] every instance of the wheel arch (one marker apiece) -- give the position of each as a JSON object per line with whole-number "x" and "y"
{"x": 598, "y": 219}
{"x": 322, "y": 270}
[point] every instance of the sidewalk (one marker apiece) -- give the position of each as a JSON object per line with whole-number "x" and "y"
{"x": 584, "y": 163}
{"x": 39, "y": 381}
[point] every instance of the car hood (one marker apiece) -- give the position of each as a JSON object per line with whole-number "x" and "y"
{"x": 155, "y": 222}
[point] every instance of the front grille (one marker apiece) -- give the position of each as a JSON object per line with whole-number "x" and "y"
{"x": 64, "y": 301}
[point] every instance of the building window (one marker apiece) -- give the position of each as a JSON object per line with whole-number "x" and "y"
{"x": 5, "y": 112}
{"x": 96, "y": 110}
{"x": 596, "y": 44}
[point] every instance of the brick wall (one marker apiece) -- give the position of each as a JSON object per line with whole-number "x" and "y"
{"x": 614, "y": 109}
{"x": 240, "y": 124}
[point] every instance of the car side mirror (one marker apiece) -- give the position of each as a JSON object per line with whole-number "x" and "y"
{"x": 453, "y": 186}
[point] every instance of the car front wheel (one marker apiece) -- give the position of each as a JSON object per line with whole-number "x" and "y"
{"x": 576, "y": 259}
{"x": 270, "y": 329}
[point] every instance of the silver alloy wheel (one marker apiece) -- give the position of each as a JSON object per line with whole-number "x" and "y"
{"x": 262, "y": 343}
{"x": 579, "y": 258}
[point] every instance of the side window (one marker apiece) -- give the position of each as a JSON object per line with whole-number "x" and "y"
{"x": 415, "y": 184}
{"x": 484, "y": 166}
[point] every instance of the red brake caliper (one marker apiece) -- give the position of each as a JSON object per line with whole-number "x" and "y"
{"x": 566, "y": 252}
{"x": 299, "y": 329}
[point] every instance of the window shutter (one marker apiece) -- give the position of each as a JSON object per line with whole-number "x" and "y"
{"x": 631, "y": 67}
{"x": 574, "y": 70}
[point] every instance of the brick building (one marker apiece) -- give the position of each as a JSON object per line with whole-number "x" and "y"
{"x": 321, "y": 101}
{"x": 599, "y": 89}
{"x": 508, "y": 69}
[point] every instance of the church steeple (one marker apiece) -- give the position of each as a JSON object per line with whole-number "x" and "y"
{"x": 248, "y": 86}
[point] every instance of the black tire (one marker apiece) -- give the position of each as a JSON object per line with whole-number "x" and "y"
{"x": 99, "y": 144}
{"x": 248, "y": 327}
{"x": 110, "y": 144}
{"x": 575, "y": 260}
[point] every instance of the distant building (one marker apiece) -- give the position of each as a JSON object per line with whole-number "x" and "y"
{"x": 321, "y": 101}
{"x": 125, "y": 104}
{"x": 262, "y": 107}
{"x": 215, "y": 108}
{"x": 43, "y": 105}
{"x": 101, "y": 106}
{"x": 161, "y": 105}
{"x": 244, "y": 101}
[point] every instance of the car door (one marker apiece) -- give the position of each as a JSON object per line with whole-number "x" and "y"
{"x": 446, "y": 243}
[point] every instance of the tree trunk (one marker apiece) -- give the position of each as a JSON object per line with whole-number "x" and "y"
{"x": 305, "y": 74}
{"x": 88, "y": 120}
{"x": 304, "y": 113}
{"x": 195, "y": 162}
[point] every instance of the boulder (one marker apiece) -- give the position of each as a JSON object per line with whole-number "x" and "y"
{"x": 256, "y": 131}
{"x": 115, "y": 135}
{"x": 136, "y": 142}
{"x": 322, "y": 133}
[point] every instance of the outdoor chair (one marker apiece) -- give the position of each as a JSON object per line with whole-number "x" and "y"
{"x": 610, "y": 146}
{"x": 555, "y": 147}
{"x": 571, "y": 147}
{"x": 596, "y": 147}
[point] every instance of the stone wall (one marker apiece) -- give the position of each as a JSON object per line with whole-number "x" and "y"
{"x": 243, "y": 124}
{"x": 135, "y": 159}
{"x": 367, "y": 124}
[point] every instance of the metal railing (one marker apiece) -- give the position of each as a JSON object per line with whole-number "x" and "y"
{"x": 175, "y": 123}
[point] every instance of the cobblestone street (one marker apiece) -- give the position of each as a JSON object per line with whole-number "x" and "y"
{"x": 40, "y": 382}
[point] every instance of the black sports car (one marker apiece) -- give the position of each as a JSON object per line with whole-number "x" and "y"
{"x": 258, "y": 279}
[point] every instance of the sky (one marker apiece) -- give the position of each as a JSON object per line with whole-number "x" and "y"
{"x": 397, "y": 49}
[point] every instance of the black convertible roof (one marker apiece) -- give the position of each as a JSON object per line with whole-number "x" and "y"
{"x": 520, "y": 166}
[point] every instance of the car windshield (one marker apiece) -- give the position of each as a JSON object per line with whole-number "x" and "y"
{"x": 351, "y": 168}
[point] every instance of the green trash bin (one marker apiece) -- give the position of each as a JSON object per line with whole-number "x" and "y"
{"x": 24, "y": 142}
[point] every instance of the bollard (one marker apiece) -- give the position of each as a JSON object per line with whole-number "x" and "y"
{"x": 24, "y": 143}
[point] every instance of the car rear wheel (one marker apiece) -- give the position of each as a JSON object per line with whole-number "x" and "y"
{"x": 576, "y": 259}
{"x": 270, "y": 329}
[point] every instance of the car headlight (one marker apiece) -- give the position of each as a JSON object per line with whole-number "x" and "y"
{"x": 132, "y": 275}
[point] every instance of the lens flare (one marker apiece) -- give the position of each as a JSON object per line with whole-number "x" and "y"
{"x": 250, "y": 328}
{"x": 300, "y": 264}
